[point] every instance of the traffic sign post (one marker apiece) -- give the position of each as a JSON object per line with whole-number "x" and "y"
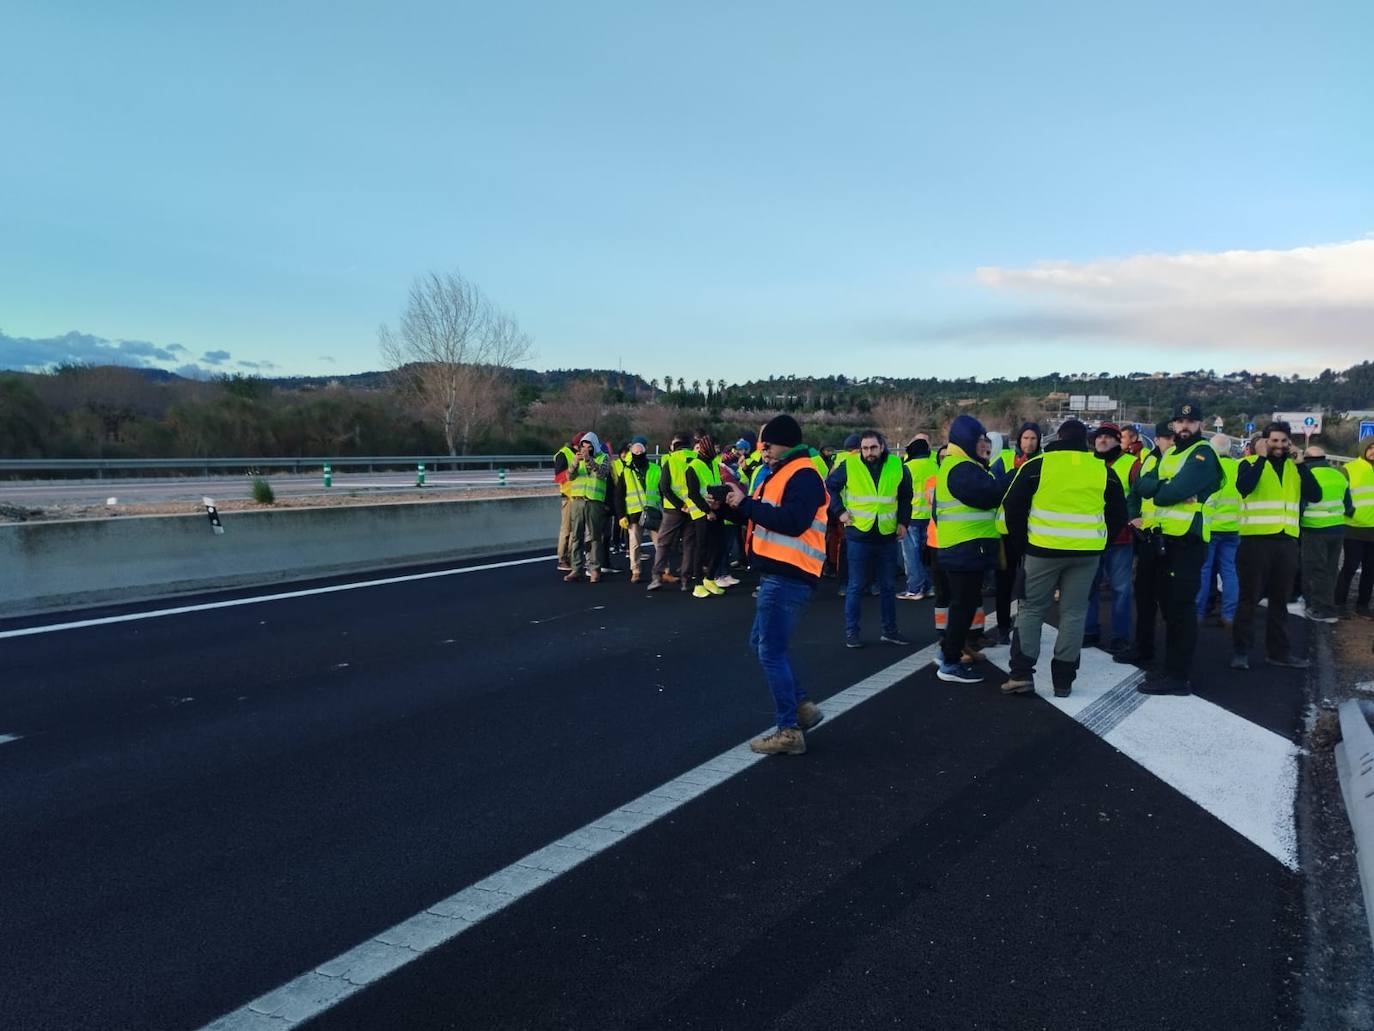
{"x": 328, "y": 475}
{"x": 1219, "y": 422}
{"x": 420, "y": 474}
{"x": 1309, "y": 426}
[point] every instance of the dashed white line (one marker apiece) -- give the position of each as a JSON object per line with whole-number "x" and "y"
{"x": 52, "y": 628}
{"x": 7, "y": 738}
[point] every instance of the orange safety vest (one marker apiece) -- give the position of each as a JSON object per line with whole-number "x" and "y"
{"x": 806, "y": 552}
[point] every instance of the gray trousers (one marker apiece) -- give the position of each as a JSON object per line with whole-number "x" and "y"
{"x": 1321, "y": 554}
{"x": 1073, "y": 576}
{"x": 564, "y": 531}
{"x": 589, "y": 530}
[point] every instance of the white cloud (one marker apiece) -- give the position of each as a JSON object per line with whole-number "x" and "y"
{"x": 1315, "y": 300}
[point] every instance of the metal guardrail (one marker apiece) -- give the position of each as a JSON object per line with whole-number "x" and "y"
{"x": 32, "y": 468}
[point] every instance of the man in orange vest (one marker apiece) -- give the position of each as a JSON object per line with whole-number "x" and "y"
{"x": 787, "y": 522}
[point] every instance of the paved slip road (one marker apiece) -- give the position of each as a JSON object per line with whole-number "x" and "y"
{"x": 200, "y": 807}
{"x": 129, "y": 490}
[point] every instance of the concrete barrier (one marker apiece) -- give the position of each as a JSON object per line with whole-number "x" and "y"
{"x": 1355, "y": 768}
{"x": 58, "y": 565}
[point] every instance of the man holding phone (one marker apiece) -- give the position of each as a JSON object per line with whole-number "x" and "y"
{"x": 787, "y": 520}
{"x": 589, "y": 478}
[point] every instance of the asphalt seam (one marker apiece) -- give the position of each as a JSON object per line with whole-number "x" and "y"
{"x": 331, "y": 982}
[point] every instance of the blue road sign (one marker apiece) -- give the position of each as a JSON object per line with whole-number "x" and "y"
{"x": 1309, "y": 421}
{"x": 1366, "y": 430}
{"x": 1249, "y": 427}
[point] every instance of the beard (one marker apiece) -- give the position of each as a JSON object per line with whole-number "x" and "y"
{"x": 1184, "y": 439}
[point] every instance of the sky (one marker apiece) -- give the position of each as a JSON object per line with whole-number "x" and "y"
{"x": 730, "y": 189}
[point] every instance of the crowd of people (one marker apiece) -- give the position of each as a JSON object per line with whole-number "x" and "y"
{"x": 1176, "y": 530}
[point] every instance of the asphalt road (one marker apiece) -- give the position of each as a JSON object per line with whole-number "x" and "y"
{"x": 200, "y": 807}
{"x": 129, "y": 490}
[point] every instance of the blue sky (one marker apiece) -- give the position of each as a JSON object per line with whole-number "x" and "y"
{"x": 730, "y": 190}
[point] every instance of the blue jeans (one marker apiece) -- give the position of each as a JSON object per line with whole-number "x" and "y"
{"x": 870, "y": 560}
{"x": 917, "y": 579}
{"x": 781, "y": 603}
{"x": 1115, "y": 568}
{"x": 1221, "y": 558}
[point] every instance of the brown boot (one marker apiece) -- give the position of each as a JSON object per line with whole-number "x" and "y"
{"x": 668, "y": 578}
{"x": 594, "y": 577}
{"x": 790, "y": 741}
{"x": 572, "y": 578}
{"x": 635, "y": 577}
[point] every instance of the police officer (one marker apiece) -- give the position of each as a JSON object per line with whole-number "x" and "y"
{"x": 1179, "y": 486}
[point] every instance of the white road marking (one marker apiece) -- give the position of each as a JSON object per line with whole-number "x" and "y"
{"x": 335, "y": 980}
{"x": 7, "y": 738}
{"x": 52, "y": 628}
{"x": 1243, "y": 774}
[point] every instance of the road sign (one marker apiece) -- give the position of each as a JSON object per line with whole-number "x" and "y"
{"x": 1249, "y": 428}
{"x": 1302, "y": 422}
{"x": 1100, "y": 403}
{"x": 1078, "y": 402}
{"x": 1219, "y": 422}
{"x": 1366, "y": 430}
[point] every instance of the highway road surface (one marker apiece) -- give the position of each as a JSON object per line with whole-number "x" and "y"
{"x": 483, "y": 798}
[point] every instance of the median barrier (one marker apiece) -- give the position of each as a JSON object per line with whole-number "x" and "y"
{"x": 1355, "y": 768}
{"x": 75, "y": 563}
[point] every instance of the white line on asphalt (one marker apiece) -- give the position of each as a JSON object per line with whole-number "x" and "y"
{"x": 1241, "y": 773}
{"x": 335, "y": 980}
{"x": 7, "y": 738}
{"x": 52, "y": 628}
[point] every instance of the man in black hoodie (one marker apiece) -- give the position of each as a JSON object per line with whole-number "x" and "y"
{"x": 1062, "y": 509}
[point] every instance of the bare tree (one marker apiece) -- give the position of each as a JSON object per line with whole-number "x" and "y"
{"x": 452, "y": 353}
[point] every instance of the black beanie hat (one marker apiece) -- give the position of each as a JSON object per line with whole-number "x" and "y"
{"x": 1073, "y": 432}
{"x": 782, "y": 430}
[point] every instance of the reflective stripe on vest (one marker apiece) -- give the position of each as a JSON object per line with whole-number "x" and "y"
{"x": 1177, "y": 520}
{"x": 1330, "y": 510}
{"x": 639, "y": 496}
{"x": 677, "y": 476}
{"x": 1361, "y": 493}
{"x": 565, "y": 488}
{"x": 592, "y": 488}
{"x": 1223, "y": 507}
{"x": 1272, "y": 507}
{"x": 806, "y": 552}
{"x": 956, "y": 522}
{"x": 1000, "y": 518}
{"x": 1067, "y": 510}
{"x": 866, "y": 502}
{"x": 921, "y": 469}
{"x": 1147, "y": 505}
{"x": 706, "y": 476}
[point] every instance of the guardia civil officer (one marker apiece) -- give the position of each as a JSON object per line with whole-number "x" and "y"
{"x": 1179, "y": 487}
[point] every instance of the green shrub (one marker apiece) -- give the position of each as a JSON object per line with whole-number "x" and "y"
{"x": 262, "y": 492}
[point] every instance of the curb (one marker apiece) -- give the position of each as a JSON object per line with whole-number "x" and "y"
{"x": 1355, "y": 768}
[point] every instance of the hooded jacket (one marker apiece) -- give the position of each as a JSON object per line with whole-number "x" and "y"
{"x": 999, "y": 470}
{"x": 1361, "y": 533}
{"x": 972, "y": 484}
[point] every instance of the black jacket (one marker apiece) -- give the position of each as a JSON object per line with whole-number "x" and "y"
{"x": 804, "y": 494}
{"x": 1016, "y": 505}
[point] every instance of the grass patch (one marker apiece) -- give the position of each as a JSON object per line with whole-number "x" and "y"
{"x": 262, "y": 492}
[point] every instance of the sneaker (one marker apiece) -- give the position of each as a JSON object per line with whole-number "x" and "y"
{"x": 1240, "y": 661}
{"x": 1020, "y": 683}
{"x": 1288, "y": 662}
{"x": 852, "y": 641}
{"x": 572, "y": 578}
{"x": 607, "y": 569}
{"x": 809, "y": 714}
{"x": 958, "y": 673}
{"x": 684, "y": 584}
{"x": 894, "y": 638}
{"x": 700, "y": 591}
{"x": 711, "y": 586}
{"x": 654, "y": 584}
{"x": 909, "y": 596}
{"x": 1165, "y": 685}
{"x": 726, "y": 581}
{"x": 783, "y": 741}
{"x": 563, "y": 567}
{"x": 1316, "y": 617}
